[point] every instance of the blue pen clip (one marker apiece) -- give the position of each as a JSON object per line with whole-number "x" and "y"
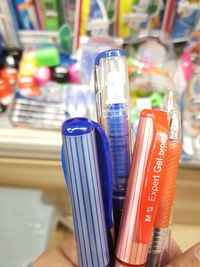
{"x": 105, "y": 170}
{"x": 64, "y": 167}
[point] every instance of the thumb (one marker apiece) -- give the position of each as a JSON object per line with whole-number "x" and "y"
{"x": 190, "y": 258}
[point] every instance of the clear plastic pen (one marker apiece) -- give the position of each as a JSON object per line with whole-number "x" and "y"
{"x": 161, "y": 233}
{"x": 97, "y": 90}
{"x": 114, "y": 117}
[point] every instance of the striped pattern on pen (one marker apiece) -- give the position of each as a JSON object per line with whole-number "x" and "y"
{"x": 128, "y": 249}
{"x": 86, "y": 200}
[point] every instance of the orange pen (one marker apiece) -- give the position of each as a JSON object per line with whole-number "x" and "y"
{"x": 143, "y": 189}
{"x": 161, "y": 232}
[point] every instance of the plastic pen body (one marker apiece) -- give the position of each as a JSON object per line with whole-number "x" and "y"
{"x": 85, "y": 193}
{"x": 98, "y": 93}
{"x": 143, "y": 190}
{"x": 114, "y": 117}
{"x": 158, "y": 254}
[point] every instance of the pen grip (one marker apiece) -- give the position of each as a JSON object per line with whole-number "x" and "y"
{"x": 168, "y": 189}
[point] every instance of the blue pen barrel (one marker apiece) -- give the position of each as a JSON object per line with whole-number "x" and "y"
{"x": 113, "y": 97}
{"x": 118, "y": 130}
{"x": 86, "y": 196}
{"x": 118, "y": 133}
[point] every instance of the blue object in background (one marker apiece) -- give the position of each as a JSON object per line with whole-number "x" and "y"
{"x": 15, "y": 15}
{"x": 184, "y": 26}
{"x": 27, "y": 15}
{"x": 66, "y": 60}
{"x": 2, "y": 46}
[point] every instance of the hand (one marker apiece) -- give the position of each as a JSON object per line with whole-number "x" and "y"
{"x": 65, "y": 255}
{"x": 190, "y": 258}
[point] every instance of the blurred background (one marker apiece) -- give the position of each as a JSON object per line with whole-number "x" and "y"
{"x": 47, "y": 52}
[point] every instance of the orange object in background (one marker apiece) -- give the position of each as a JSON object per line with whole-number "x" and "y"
{"x": 10, "y": 75}
{"x": 6, "y": 92}
{"x": 28, "y": 88}
{"x": 26, "y": 82}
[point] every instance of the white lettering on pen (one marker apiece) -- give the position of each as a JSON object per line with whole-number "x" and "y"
{"x": 156, "y": 177}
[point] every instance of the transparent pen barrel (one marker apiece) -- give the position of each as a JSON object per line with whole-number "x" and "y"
{"x": 118, "y": 131}
{"x": 86, "y": 200}
{"x": 159, "y": 246}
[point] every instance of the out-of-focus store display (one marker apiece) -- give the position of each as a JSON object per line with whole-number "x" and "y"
{"x": 36, "y": 228}
{"x": 150, "y": 67}
{"x": 35, "y": 83}
{"x": 48, "y": 74}
{"x": 191, "y": 97}
{"x": 48, "y": 49}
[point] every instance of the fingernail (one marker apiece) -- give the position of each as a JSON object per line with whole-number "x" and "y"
{"x": 197, "y": 252}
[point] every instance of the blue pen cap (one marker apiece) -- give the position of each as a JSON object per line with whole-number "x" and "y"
{"x": 109, "y": 53}
{"x": 81, "y": 126}
{"x": 74, "y": 127}
{"x": 77, "y": 126}
{"x": 80, "y": 156}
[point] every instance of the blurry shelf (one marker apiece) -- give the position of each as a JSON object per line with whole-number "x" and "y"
{"x": 186, "y": 235}
{"x": 180, "y": 40}
{"x": 43, "y": 144}
{"x": 38, "y": 38}
{"x": 29, "y": 143}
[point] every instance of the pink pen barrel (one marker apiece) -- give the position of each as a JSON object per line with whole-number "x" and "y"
{"x": 143, "y": 189}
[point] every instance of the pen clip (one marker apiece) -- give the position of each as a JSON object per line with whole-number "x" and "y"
{"x": 64, "y": 168}
{"x": 154, "y": 176}
{"x": 105, "y": 170}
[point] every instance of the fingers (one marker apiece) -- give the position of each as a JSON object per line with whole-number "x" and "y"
{"x": 52, "y": 258}
{"x": 190, "y": 258}
{"x": 68, "y": 248}
{"x": 63, "y": 255}
{"x": 174, "y": 250}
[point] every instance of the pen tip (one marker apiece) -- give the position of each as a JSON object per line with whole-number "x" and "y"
{"x": 169, "y": 101}
{"x": 175, "y": 126}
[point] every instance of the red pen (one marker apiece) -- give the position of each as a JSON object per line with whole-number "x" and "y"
{"x": 143, "y": 189}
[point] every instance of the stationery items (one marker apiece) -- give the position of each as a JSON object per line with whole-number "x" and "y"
{"x": 98, "y": 95}
{"x": 112, "y": 94}
{"x": 86, "y": 165}
{"x": 161, "y": 234}
{"x": 27, "y": 14}
{"x": 144, "y": 189}
{"x": 38, "y": 6}
{"x": 8, "y": 29}
{"x": 51, "y": 14}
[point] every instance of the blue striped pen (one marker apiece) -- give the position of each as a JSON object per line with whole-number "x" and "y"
{"x": 113, "y": 87}
{"x": 85, "y": 189}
